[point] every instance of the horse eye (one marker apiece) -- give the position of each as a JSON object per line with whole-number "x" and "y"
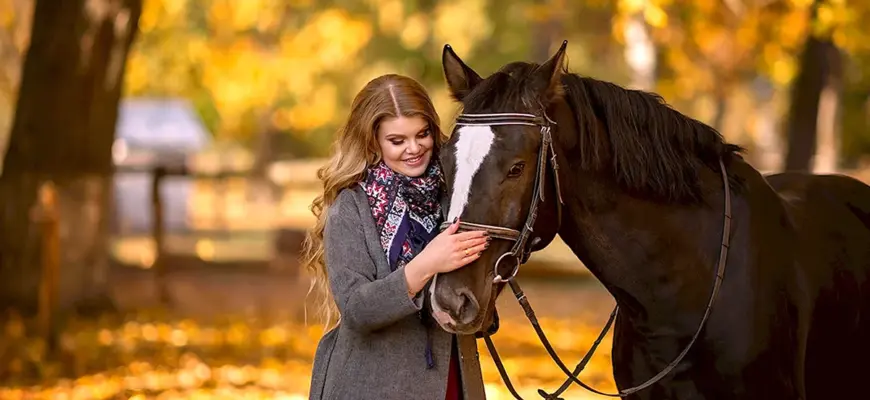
{"x": 516, "y": 170}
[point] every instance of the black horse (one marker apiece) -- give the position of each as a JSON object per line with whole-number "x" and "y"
{"x": 642, "y": 196}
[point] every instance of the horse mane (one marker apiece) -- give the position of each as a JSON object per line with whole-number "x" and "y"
{"x": 649, "y": 147}
{"x": 635, "y": 136}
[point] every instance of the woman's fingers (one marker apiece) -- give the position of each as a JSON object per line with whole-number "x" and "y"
{"x": 474, "y": 242}
{"x": 469, "y": 251}
{"x": 463, "y": 236}
{"x": 479, "y": 248}
{"x": 465, "y": 260}
{"x": 471, "y": 246}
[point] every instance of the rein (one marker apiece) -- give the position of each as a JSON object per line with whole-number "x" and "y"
{"x": 521, "y": 253}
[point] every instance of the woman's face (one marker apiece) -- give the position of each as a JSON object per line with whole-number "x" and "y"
{"x": 406, "y": 144}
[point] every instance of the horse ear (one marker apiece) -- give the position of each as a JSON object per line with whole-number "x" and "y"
{"x": 548, "y": 79}
{"x": 460, "y": 78}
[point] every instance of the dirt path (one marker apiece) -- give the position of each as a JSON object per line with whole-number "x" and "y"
{"x": 206, "y": 293}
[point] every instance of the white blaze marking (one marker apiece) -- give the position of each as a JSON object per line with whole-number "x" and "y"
{"x": 472, "y": 147}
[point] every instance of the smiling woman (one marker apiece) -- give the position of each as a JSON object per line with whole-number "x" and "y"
{"x": 406, "y": 144}
{"x": 376, "y": 247}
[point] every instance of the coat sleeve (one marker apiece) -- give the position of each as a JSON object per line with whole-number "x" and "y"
{"x": 366, "y": 304}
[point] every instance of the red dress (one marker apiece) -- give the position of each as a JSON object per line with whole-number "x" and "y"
{"x": 454, "y": 390}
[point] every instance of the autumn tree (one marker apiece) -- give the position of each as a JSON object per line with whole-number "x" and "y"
{"x": 815, "y": 100}
{"x": 15, "y": 18}
{"x": 62, "y": 133}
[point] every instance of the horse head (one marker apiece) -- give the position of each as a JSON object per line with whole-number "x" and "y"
{"x": 501, "y": 171}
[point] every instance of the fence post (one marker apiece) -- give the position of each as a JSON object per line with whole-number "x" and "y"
{"x": 158, "y": 233}
{"x": 49, "y": 261}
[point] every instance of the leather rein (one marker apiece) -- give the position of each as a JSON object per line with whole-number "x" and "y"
{"x": 522, "y": 249}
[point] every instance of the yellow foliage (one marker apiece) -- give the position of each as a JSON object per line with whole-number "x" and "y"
{"x": 390, "y": 16}
{"x": 372, "y": 71}
{"x": 247, "y": 14}
{"x": 219, "y": 15}
{"x": 655, "y": 16}
{"x": 783, "y": 71}
{"x": 538, "y": 12}
{"x": 416, "y": 31}
{"x": 801, "y": 3}
{"x": 793, "y": 29}
{"x": 631, "y": 6}
{"x": 254, "y": 59}
{"x": 461, "y": 24}
{"x": 341, "y": 38}
{"x": 748, "y": 33}
{"x": 709, "y": 43}
{"x": 137, "y": 74}
{"x": 161, "y": 359}
{"x": 7, "y": 14}
{"x": 242, "y": 74}
{"x": 316, "y": 110}
{"x": 330, "y": 39}
{"x": 151, "y": 13}
{"x": 708, "y": 7}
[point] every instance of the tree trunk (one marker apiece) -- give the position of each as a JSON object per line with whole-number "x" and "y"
{"x": 546, "y": 30}
{"x": 827, "y": 158}
{"x": 13, "y": 43}
{"x": 767, "y": 156}
{"x": 63, "y": 131}
{"x": 820, "y": 67}
{"x": 260, "y": 188}
{"x": 721, "y": 111}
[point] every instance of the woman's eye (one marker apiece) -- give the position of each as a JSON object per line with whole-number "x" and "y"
{"x": 399, "y": 143}
{"x": 425, "y": 133}
{"x": 516, "y": 170}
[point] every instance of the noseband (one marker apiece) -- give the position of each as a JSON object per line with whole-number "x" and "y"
{"x": 522, "y": 248}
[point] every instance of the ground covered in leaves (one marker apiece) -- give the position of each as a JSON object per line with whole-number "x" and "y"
{"x": 154, "y": 356}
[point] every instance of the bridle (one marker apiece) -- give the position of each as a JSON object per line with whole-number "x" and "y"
{"x": 521, "y": 251}
{"x": 522, "y": 248}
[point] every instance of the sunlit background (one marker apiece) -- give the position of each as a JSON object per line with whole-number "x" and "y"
{"x": 166, "y": 160}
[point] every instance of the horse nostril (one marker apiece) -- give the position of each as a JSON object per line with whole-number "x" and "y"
{"x": 463, "y": 307}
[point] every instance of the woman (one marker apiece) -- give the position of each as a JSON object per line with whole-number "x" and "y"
{"x": 376, "y": 246}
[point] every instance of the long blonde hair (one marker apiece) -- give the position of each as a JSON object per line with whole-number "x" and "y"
{"x": 354, "y": 150}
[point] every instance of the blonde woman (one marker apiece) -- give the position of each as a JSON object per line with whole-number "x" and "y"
{"x": 375, "y": 247}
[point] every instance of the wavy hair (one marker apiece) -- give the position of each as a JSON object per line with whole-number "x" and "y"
{"x": 354, "y": 150}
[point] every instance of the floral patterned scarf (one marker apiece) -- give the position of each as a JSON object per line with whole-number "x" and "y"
{"x": 407, "y": 213}
{"x": 406, "y": 210}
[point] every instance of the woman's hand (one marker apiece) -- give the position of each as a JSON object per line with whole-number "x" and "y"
{"x": 450, "y": 250}
{"x": 447, "y": 252}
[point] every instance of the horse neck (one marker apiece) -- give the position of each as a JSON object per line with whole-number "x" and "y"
{"x": 656, "y": 259}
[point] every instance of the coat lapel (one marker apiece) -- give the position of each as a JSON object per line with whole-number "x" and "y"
{"x": 371, "y": 232}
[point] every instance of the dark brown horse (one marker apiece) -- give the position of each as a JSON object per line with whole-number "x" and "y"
{"x": 642, "y": 196}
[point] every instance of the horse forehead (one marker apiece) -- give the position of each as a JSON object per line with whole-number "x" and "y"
{"x": 474, "y": 143}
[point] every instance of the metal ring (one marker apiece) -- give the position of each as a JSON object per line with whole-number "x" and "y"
{"x": 498, "y": 278}
{"x": 466, "y": 252}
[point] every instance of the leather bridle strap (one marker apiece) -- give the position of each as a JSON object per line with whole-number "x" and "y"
{"x": 572, "y": 376}
{"x": 520, "y": 250}
{"x": 493, "y": 231}
{"x": 530, "y": 314}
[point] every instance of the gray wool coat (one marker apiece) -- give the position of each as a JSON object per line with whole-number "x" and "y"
{"x": 378, "y": 349}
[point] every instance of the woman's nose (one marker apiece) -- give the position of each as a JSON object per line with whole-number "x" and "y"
{"x": 413, "y": 147}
